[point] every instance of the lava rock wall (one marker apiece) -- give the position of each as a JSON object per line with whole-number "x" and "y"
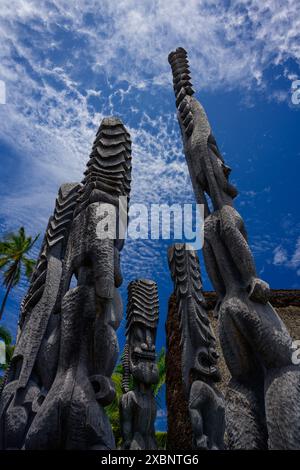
{"x": 287, "y": 305}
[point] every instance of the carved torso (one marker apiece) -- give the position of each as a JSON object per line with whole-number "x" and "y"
{"x": 142, "y": 408}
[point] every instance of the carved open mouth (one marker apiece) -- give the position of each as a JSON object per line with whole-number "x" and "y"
{"x": 211, "y": 371}
{"x": 207, "y": 365}
{"x": 146, "y": 356}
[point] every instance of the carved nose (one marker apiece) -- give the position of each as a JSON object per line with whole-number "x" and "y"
{"x": 148, "y": 347}
{"x": 214, "y": 355}
{"x": 149, "y": 341}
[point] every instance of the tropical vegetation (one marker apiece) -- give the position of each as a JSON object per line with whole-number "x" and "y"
{"x": 14, "y": 260}
{"x": 6, "y": 338}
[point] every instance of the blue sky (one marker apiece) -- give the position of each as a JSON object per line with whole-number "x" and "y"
{"x": 66, "y": 65}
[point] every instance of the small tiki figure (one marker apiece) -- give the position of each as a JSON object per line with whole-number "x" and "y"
{"x": 138, "y": 407}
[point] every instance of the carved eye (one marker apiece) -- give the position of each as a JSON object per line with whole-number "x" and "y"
{"x": 96, "y": 386}
{"x": 204, "y": 359}
{"x": 138, "y": 334}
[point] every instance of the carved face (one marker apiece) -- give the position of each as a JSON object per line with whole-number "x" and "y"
{"x": 211, "y": 182}
{"x": 142, "y": 354}
{"x": 222, "y": 173}
{"x": 206, "y": 363}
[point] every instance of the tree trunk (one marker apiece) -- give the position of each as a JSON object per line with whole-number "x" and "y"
{"x": 6, "y": 296}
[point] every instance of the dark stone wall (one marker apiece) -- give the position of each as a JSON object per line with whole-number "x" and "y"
{"x": 286, "y": 303}
{"x": 179, "y": 427}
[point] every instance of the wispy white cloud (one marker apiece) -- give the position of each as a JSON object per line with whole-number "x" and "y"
{"x": 230, "y": 43}
{"x": 281, "y": 257}
{"x": 295, "y": 260}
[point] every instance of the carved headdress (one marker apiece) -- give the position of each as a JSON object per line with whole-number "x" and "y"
{"x": 142, "y": 315}
{"x": 209, "y": 173}
{"x": 197, "y": 339}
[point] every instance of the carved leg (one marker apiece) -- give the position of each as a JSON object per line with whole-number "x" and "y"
{"x": 207, "y": 415}
{"x": 126, "y": 418}
{"x": 252, "y": 334}
{"x": 244, "y": 399}
{"x": 282, "y": 402}
{"x": 138, "y": 442}
{"x": 245, "y": 420}
{"x": 199, "y": 440}
{"x": 234, "y": 236}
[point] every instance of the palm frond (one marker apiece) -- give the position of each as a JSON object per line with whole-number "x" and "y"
{"x": 161, "y": 365}
{"x": 9, "y": 274}
{"x": 4, "y": 260}
{"x": 9, "y": 347}
{"x": 17, "y": 275}
{"x": 13, "y": 262}
{"x": 32, "y": 242}
{"x": 29, "y": 266}
{"x": 161, "y": 439}
{"x": 5, "y": 335}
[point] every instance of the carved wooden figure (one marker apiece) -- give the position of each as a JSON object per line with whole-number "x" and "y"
{"x": 199, "y": 356}
{"x": 60, "y": 377}
{"x": 137, "y": 406}
{"x": 263, "y": 400}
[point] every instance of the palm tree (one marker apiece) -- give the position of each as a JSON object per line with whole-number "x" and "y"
{"x": 112, "y": 410}
{"x": 13, "y": 250}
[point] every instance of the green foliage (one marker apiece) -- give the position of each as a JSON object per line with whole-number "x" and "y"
{"x": 112, "y": 410}
{"x": 14, "y": 260}
{"x": 5, "y": 335}
{"x": 7, "y": 338}
{"x": 161, "y": 439}
{"x": 161, "y": 365}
